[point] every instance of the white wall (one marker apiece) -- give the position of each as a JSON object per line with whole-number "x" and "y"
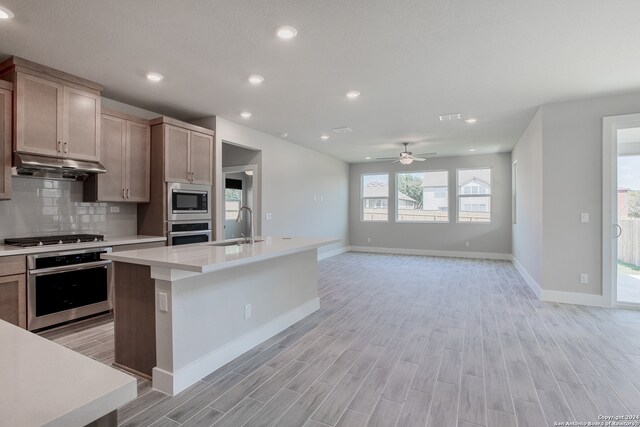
{"x": 571, "y": 177}
{"x": 491, "y": 238}
{"x": 291, "y": 176}
{"x": 527, "y": 231}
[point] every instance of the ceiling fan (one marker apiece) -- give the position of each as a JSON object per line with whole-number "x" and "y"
{"x": 406, "y": 157}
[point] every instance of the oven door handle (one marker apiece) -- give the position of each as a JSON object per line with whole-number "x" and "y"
{"x": 75, "y": 267}
{"x": 188, "y": 233}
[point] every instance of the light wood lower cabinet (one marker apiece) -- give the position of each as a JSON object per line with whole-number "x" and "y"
{"x": 126, "y": 154}
{"x": 13, "y": 290}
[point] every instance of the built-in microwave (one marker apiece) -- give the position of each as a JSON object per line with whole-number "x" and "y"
{"x": 188, "y": 202}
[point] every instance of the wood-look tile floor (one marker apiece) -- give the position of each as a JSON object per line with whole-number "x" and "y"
{"x": 411, "y": 341}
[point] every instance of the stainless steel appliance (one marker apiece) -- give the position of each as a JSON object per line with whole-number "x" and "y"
{"x": 188, "y": 202}
{"x": 184, "y": 233}
{"x": 63, "y": 286}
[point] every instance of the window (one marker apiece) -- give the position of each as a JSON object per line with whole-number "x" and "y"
{"x": 422, "y": 196}
{"x": 232, "y": 203}
{"x": 232, "y": 198}
{"x": 474, "y": 195}
{"x": 375, "y": 197}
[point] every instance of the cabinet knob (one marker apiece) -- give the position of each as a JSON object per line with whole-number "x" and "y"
{"x": 65, "y": 148}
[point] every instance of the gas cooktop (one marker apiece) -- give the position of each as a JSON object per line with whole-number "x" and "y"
{"x": 54, "y": 240}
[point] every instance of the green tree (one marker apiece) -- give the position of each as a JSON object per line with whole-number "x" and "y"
{"x": 634, "y": 204}
{"x": 411, "y": 185}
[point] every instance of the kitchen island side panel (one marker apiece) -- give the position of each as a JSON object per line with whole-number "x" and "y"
{"x": 134, "y": 318}
{"x": 206, "y": 327}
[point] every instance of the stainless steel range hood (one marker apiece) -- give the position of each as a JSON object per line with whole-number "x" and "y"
{"x": 54, "y": 168}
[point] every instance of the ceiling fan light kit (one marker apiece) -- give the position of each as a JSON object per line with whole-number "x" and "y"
{"x": 406, "y": 157}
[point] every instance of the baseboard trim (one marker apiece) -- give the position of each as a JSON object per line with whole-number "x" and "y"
{"x": 431, "y": 252}
{"x": 173, "y": 383}
{"x": 535, "y": 287}
{"x": 574, "y": 298}
{"x": 329, "y": 254}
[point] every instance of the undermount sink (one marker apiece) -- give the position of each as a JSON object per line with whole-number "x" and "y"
{"x": 234, "y": 243}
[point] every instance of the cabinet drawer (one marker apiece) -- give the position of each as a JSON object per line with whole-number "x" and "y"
{"x": 16, "y": 264}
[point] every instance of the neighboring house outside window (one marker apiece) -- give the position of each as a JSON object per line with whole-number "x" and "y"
{"x": 374, "y": 197}
{"x": 474, "y": 195}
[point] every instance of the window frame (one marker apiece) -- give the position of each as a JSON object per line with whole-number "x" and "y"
{"x": 448, "y": 211}
{"x": 460, "y": 195}
{"x": 362, "y": 198}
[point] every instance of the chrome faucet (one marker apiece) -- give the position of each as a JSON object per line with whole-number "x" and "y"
{"x": 251, "y": 238}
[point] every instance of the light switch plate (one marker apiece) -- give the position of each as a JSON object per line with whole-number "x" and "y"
{"x": 584, "y": 217}
{"x": 268, "y": 216}
{"x": 163, "y": 303}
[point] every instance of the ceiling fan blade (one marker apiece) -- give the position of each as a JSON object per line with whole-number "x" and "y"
{"x": 396, "y": 161}
{"x": 418, "y": 159}
{"x": 386, "y": 158}
{"x": 427, "y": 154}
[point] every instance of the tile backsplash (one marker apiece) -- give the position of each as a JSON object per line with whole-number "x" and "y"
{"x": 46, "y": 207}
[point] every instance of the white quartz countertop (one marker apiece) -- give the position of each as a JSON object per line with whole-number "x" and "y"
{"x": 45, "y": 384}
{"x": 206, "y": 257}
{"x": 6, "y": 250}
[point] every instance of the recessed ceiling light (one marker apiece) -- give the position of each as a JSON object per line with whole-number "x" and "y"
{"x": 472, "y": 149}
{"x": 368, "y": 158}
{"x": 471, "y": 120}
{"x": 155, "y": 77}
{"x": 353, "y": 94}
{"x": 284, "y": 134}
{"x": 325, "y": 137}
{"x": 448, "y": 117}
{"x": 256, "y": 79}
{"x": 5, "y": 13}
{"x": 286, "y": 32}
{"x": 245, "y": 115}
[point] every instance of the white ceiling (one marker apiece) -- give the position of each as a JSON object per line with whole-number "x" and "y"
{"x": 412, "y": 60}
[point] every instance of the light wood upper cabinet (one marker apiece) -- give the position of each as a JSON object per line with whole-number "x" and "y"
{"x": 125, "y": 146}
{"x": 137, "y": 159}
{"x": 188, "y": 155}
{"x": 201, "y": 158}
{"x": 81, "y": 124}
{"x": 56, "y": 114}
{"x": 177, "y": 154}
{"x": 38, "y": 115}
{"x": 5, "y": 140}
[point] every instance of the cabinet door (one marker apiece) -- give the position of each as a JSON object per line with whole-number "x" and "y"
{"x": 5, "y": 144}
{"x": 38, "y": 115}
{"x": 138, "y": 159}
{"x": 201, "y": 158}
{"x": 111, "y": 184}
{"x": 13, "y": 299}
{"x": 81, "y": 125}
{"x": 176, "y": 154}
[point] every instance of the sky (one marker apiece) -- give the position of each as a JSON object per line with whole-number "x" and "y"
{"x": 629, "y": 172}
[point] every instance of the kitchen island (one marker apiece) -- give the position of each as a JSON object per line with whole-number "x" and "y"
{"x": 181, "y": 312}
{"x": 46, "y": 384}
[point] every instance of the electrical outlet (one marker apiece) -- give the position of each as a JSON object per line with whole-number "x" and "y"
{"x": 368, "y": 239}
{"x": 321, "y": 199}
{"x": 247, "y": 311}
{"x": 268, "y": 216}
{"x": 466, "y": 244}
{"x": 584, "y": 217}
{"x": 163, "y": 303}
{"x": 584, "y": 278}
{"x": 114, "y": 209}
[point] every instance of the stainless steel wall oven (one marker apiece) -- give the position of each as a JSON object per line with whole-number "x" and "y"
{"x": 63, "y": 286}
